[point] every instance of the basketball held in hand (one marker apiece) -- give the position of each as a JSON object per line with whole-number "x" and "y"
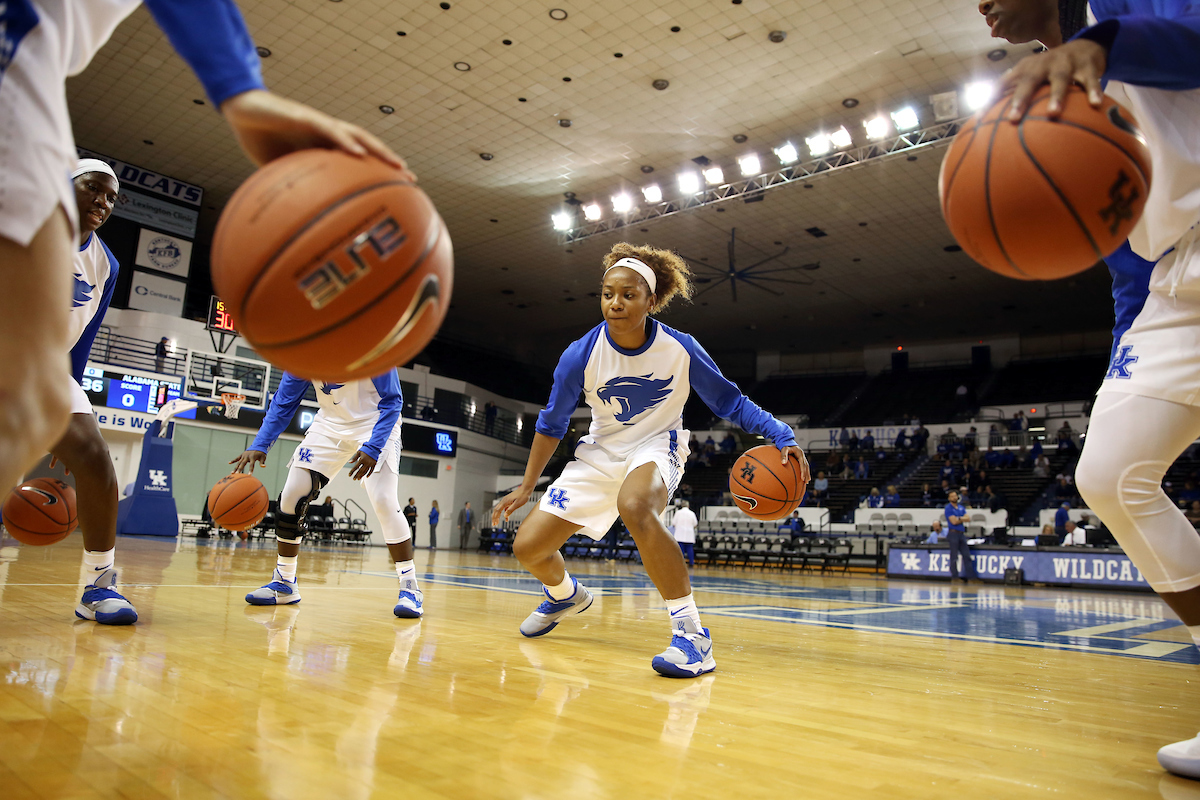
{"x": 763, "y": 487}
{"x": 41, "y": 511}
{"x": 1045, "y": 198}
{"x": 238, "y": 502}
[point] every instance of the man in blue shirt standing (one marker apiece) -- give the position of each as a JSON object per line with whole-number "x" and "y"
{"x": 956, "y": 537}
{"x": 1060, "y": 521}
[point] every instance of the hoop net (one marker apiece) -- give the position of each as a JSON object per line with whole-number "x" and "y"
{"x": 233, "y": 403}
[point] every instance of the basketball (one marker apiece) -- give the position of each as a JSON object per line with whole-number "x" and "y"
{"x": 764, "y": 488}
{"x": 238, "y": 502}
{"x": 335, "y": 267}
{"x": 40, "y": 511}
{"x": 1044, "y": 199}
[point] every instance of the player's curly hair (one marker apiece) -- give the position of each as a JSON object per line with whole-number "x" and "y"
{"x": 672, "y": 273}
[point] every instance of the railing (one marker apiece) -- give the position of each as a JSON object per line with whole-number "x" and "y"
{"x": 133, "y": 353}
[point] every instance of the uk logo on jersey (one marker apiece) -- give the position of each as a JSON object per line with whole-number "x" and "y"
{"x": 1119, "y": 367}
{"x": 83, "y": 292}
{"x": 305, "y": 455}
{"x": 634, "y": 395}
{"x": 558, "y": 498}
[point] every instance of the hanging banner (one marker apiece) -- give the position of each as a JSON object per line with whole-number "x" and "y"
{"x": 164, "y": 252}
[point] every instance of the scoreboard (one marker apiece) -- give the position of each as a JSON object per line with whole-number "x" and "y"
{"x": 219, "y": 319}
{"x": 130, "y": 392}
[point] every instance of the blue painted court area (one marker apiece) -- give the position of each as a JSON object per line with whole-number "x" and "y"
{"x": 1105, "y": 623}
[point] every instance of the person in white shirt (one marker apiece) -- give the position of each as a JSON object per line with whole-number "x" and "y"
{"x": 1075, "y": 534}
{"x": 685, "y": 531}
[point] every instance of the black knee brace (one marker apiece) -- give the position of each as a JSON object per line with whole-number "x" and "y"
{"x": 290, "y": 528}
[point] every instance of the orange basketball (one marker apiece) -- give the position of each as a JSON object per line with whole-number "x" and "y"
{"x": 763, "y": 487}
{"x": 41, "y": 511}
{"x": 334, "y": 267}
{"x": 238, "y": 502}
{"x": 1044, "y": 199}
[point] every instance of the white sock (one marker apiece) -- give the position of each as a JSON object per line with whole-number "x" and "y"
{"x": 287, "y": 566}
{"x": 406, "y": 571}
{"x": 98, "y": 560}
{"x": 684, "y": 607}
{"x": 563, "y": 590}
{"x": 1194, "y": 630}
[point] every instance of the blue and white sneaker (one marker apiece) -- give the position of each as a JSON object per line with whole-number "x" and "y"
{"x": 690, "y": 653}
{"x": 102, "y": 603}
{"x": 1182, "y": 758}
{"x": 548, "y": 614}
{"x": 279, "y": 592}
{"x": 409, "y": 606}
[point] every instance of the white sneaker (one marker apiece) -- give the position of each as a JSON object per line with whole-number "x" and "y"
{"x": 279, "y": 592}
{"x": 1182, "y": 758}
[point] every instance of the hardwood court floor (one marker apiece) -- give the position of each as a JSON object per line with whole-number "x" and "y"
{"x": 826, "y": 687}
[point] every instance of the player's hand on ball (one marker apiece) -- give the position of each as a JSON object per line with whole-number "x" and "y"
{"x": 511, "y": 502}
{"x": 1080, "y": 61}
{"x": 268, "y": 126}
{"x": 250, "y": 458}
{"x": 793, "y": 451}
{"x": 361, "y": 466}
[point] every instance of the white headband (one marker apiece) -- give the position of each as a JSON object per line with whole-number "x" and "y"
{"x": 87, "y": 165}
{"x": 640, "y": 268}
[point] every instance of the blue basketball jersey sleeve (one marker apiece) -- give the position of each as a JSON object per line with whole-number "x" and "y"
{"x": 211, "y": 37}
{"x": 83, "y": 347}
{"x": 1131, "y": 286}
{"x": 1153, "y": 43}
{"x": 724, "y": 397}
{"x": 283, "y": 406}
{"x": 555, "y": 419}
{"x": 391, "y": 401}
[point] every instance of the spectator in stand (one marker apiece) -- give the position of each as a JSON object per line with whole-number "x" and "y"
{"x": 861, "y": 470}
{"x": 1189, "y": 493}
{"x": 901, "y": 443}
{"x": 1193, "y": 514}
{"x": 729, "y": 443}
{"x": 489, "y": 417}
{"x": 428, "y": 413}
{"x": 1066, "y": 438}
{"x": 1007, "y": 459}
{"x": 920, "y": 438}
{"x": 941, "y": 493}
{"x": 160, "y": 353}
{"x": 874, "y": 499}
{"x": 685, "y": 491}
{"x": 844, "y": 439}
{"x": 793, "y": 525}
{"x": 928, "y": 496}
{"x": 820, "y": 490}
{"x": 995, "y": 438}
{"x": 892, "y": 498}
{"x": 880, "y": 454}
{"x": 1036, "y": 450}
{"x": 935, "y": 532}
{"x": 1041, "y": 467}
{"x": 684, "y": 524}
{"x": 991, "y": 458}
{"x": 970, "y": 440}
{"x": 947, "y": 472}
{"x": 833, "y": 462}
{"x": 854, "y": 441}
{"x": 1075, "y": 534}
{"x": 867, "y": 442}
{"x": 847, "y": 468}
{"x": 996, "y": 501}
{"x": 978, "y": 480}
{"x": 1024, "y": 457}
{"x": 709, "y": 444}
{"x": 1064, "y": 492}
{"x": 956, "y": 516}
{"x": 1060, "y": 520}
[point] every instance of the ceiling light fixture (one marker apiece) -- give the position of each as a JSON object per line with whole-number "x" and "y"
{"x": 714, "y": 176}
{"x": 661, "y": 84}
{"x": 592, "y": 212}
{"x": 978, "y": 94}
{"x": 561, "y": 221}
{"x": 749, "y": 164}
{"x": 557, "y": 14}
{"x": 787, "y": 153}
{"x": 387, "y": 109}
{"x": 263, "y": 52}
{"x": 850, "y": 102}
{"x": 876, "y": 127}
{"x": 905, "y": 119}
{"x": 841, "y": 137}
{"x": 622, "y": 203}
{"x": 689, "y": 182}
{"x": 777, "y": 36}
{"x": 818, "y": 145}
{"x": 462, "y": 66}
{"x": 486, "y": 156}
{"x": 652, "y": 193}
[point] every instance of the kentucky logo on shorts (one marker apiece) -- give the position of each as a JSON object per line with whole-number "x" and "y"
{"x": 634, "y": 395}
{"x": 557, "y": 498}
{"x": 305, "y": 455}
{"x": 1119, "y": 366}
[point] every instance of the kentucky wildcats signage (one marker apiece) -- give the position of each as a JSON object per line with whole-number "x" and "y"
{"x": 1061, "y": 566}
{"x": 164, "y": 252}
{"x": 149, "y": 182}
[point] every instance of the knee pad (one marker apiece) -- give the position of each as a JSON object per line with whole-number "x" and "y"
{"x": 289, "y": 528}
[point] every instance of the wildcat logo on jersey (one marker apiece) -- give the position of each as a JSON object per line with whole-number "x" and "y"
{"x": 349, "y": 261}
{"x": 83, "y": 292}
{"x": 634, "y": 395}
{"x": 328, "y": 388}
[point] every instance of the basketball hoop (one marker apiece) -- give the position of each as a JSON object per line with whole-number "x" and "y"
{"x": 233, "y": 403}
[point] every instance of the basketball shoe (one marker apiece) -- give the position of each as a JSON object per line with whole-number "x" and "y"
{"x": 409, "y": 606}
{"x": 1182, "y": 758}
{"x": 279, "y": 592}
{"x": 102, "y": 603}
{"x": 551, "y": 611}
{"x": 690, "y": 653}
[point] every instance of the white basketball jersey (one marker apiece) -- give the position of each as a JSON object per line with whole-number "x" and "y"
{"x": 91, "y": 271}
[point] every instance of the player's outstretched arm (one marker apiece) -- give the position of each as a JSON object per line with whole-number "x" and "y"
{"x": 539, "y": 456}
{"x": 249, "y": 458}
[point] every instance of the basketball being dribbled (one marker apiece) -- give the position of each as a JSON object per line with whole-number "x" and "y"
{"x": 763, "y": 487}
{"x": 334, "y": 267}
{"x": 1043, "y": 198}
{"x": 40, "y": 511}
{"x": 238, "y": 502}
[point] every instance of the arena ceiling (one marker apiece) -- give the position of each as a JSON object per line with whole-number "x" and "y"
{"x": 882, "y": 273}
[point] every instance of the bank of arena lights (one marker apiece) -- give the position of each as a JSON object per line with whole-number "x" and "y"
{"x": 622, "y": 203}
{"x": 692, "y": 192}
{"x": 714, "y": 176}
{"x": 977, "y": 95}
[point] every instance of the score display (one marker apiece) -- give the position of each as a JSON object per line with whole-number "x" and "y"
{"x": 218, "y": 317}
{"x": 130, "y": 392}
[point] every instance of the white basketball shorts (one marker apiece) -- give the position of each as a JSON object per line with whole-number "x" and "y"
{"x": 586, "y": 491}
{"x": 325, "y": 454}
{"x": 42, "y": 43}
{"x": 1159, "y": 356}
